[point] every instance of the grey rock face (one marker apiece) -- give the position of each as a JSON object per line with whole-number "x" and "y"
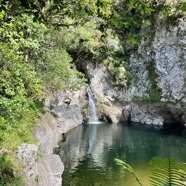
{"x": 146, "y": 115}
{"x": 27, "y": 153}
{"x": 47, "y": 133}
{"x": 169, "y": 46}
{"x": 139, "y": 63}
{"x": 69, "y": 117}
{"x": 50, "y": 169}
{"x": 47, "y": 170}
{"x": 100, "y": 83}
{"x": 167, "y": 53}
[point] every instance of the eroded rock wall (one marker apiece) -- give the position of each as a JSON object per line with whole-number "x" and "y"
{"x": 169, "y": 46}
{"x": 63, "y": 112}
{"x": 159, "y": 74}
{"x": 105, "y": 94}
{"x": 167, "y": 54}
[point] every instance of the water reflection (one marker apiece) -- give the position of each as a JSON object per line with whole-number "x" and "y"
{"x": 89, "y": 151}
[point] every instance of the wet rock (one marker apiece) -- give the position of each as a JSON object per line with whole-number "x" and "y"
{"x": 145, "y": 114}
{"x": 113, "y": 113}
{"x": 127, "y": 112}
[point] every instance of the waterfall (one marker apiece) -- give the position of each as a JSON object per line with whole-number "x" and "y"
{"x": 93, "y": 118}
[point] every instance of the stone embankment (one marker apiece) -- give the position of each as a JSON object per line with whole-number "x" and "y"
{"x": 40, "y": 166}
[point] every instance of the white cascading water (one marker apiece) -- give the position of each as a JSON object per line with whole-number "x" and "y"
{"x": 92, "y": 114}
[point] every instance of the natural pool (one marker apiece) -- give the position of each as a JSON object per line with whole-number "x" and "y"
{"x": 89, "y": 150}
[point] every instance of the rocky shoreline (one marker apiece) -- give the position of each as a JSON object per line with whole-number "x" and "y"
{"x": 43, "y": 167}
{"x": 40, "y": 165}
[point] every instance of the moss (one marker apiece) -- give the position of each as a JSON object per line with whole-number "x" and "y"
{"x": 84, "y": 111}
{"x": 7, "y": 174}
{"x": 154, "y": 92}
{"x": 99, "y": 108}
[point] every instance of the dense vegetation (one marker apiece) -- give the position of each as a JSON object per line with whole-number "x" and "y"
{"x": 34, "y": 61}
{"x": 40, "y": 40}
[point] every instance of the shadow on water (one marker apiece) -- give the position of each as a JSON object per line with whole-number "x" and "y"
{"x": 175, "y": 130}
{"x": 89, "y": 151}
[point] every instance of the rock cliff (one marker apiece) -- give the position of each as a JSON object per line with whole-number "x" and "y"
{"x": 159, "y": 76}
{"x": 156, "y": 96}
{"x": 40, "y": 166}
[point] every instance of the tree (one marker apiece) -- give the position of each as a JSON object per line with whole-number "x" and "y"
{"x": 55, "y": 12}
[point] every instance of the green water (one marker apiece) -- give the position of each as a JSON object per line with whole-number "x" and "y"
{"x": 89, "y": 151}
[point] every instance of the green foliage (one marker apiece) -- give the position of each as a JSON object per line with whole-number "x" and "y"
{"x": 79, "y": 11}
{"x": 88, "y": 43}
{"x": 181, "y": 7}
{"x": 19, "y": 89}
{"x": 37, "y": 178}
{"x": 84, "y": 41}
{"x": 19, "y": 85}
{"x": 164, "y": 172}
{"x": 6, "y": 173}
{"x": 127, "y": 167}
{"x": 39, "y": 155}
{"x": 59, "y": 73}
{"x": 54, "y": 13}
{"x": 22, "y": 34}
{"x": 154, "y": 92}
{"x": 119, "y": 76}
{"x": 135, "y": 15}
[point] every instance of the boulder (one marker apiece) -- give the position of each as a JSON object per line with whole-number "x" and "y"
{"x": 113, "y": 113}
{"x": 50, "y": 169}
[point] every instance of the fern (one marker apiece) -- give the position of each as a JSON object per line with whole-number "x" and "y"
{"x": 166, "y": 172}
{"x": 127, "y": 167}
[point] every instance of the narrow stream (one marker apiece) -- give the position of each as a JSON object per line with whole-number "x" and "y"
{"x": 89, "y": 151}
